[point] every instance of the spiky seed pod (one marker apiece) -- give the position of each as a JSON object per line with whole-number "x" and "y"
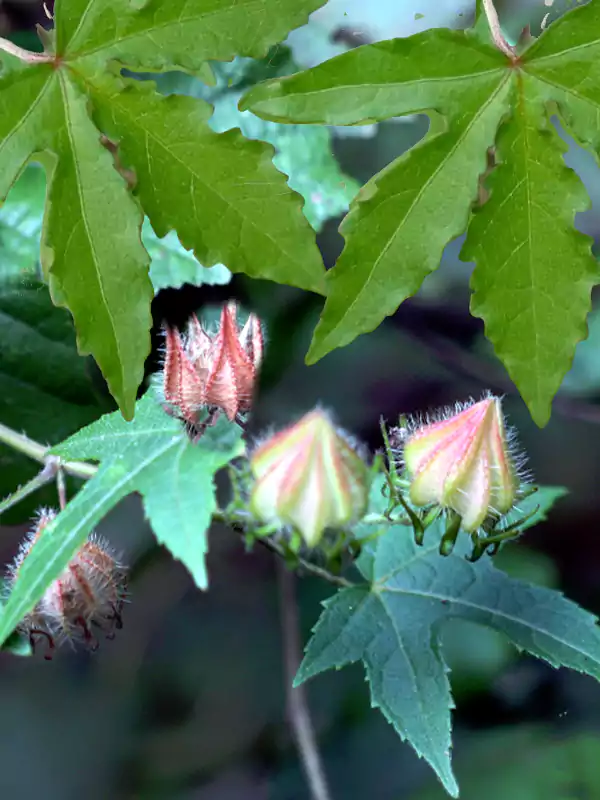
{"x": 463, "y": 461}
{"x": 90, "y": 593}
{"x": 309, "y": 476}
{"x": 212, "y": 371}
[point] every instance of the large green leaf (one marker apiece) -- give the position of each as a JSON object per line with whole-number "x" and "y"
{"x": 303, "y": 152}
{"x": 394, "y": 620}
{"x": 103, "y": 279}
{"x": 180, "y": 33}
{"x": 534, "y": 272}
{"x": 92, "y": 254}
{"x": 227, "y": 187}
{"x": 151, "y": 455}
{"x": 46, "y": 389}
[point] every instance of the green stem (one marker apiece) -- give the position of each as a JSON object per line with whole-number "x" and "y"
{"x": 37, "y": 452}
{"x": 46, "y": 475}
{"x": 53, "y": 466}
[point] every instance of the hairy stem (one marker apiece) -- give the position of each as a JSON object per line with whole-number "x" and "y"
{"x": 38, "y": 452}
{"x": 496, "y": 30}
{"x": 296, "y": 701}
{"x": 25, "y": 55}
{"x": 46, "y": 475}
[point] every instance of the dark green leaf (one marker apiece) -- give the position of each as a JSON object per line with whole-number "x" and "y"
{"x": 394, "y": 621}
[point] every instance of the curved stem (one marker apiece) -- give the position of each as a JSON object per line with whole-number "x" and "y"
{"x": 296, "y": 701}
{"x": 496, "y": 30}
{"x": 24, "y": 55}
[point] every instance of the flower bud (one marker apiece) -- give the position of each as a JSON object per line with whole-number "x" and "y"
{"x": 463, "y": 463}
{"x": 310, "y": 477}
{"x": 90, "y": 592}
{"x": 212, "y": 371}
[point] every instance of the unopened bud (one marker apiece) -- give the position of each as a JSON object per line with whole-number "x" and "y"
{"x": 463, "y": 463}
{"x": 90, "y": 592}
{"x": 218, "y": 370}
{"x": 310, "y": 477}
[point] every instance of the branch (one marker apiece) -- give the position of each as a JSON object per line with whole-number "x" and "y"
{"x": 54, "y": 468}
{"x": 25, "y": 55}
{"x": 496, "y": 30}
{"x": 38, "y": 452}
{"x": 296, "y": 702}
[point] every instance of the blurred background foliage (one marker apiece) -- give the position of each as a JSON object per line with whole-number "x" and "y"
{"x": 188, "y": 702}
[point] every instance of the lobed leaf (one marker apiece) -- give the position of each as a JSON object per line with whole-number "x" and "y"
{"x": 180, "y": 33}
{"x": 226, "y": 186}
{"x": 394, "y": 621}
{"x": 534, "y": 272}
{"x": 151, "y": 455}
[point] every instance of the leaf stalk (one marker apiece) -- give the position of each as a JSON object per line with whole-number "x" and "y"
{"x": 496, "y": 31}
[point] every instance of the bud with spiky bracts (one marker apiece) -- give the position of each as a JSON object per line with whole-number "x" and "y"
{"x": 464, "y": 461}
{"x": 89, "y": 593}
{"x": 309, "y": 476}
{"x": 217, "y": 372}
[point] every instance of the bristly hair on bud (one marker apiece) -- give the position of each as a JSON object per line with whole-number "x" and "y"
{"x": 309, "y": 476}
{"x": 464, "y": 459}
{"x": 90, "y": 593}
{"x": 214, "y": 372}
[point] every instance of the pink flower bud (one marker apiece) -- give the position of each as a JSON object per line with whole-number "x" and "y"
{"x": 217, "y": 371}
{"x": 310, "y": 477}
{"x": 463, "y": 463}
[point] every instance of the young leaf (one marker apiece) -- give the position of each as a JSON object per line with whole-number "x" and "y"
{"x": 534, "y": 272}
{"x": 151, "y": 455}
{"x": 393, "y": 624}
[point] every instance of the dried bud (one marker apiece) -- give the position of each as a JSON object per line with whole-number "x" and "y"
{"x": 216, "y": 371}
{"x": 463, "y": 462}
{"x": 90, "y": 592}
{"x": 309, "y": 476}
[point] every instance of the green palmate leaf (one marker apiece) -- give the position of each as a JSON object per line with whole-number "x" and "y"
{"x": 394, "y": 621}
{"x": 101, "y": 278}
{"x": 534, "y": 272}
{"x": 226, "y": 186}
{"x": 46, "y": 390}
{"x": 180, "y": 33}
{"x": 151, "y": 455}
{"x": 212, "y": 190}
{"x": 304, "y": 153}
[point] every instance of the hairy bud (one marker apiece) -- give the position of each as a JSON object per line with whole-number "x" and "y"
{"x": 463, "y": 462}
{"x": 89, "y": 593}
{"x": 212, "y": 371}
{"x": 310, "y": 477}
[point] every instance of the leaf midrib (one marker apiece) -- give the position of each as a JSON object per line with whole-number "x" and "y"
{"x": 418, "y": 196}
{"x": 97, "y": 271}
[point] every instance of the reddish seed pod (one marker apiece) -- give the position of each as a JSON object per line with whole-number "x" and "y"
{"x": 88, "y": 595}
